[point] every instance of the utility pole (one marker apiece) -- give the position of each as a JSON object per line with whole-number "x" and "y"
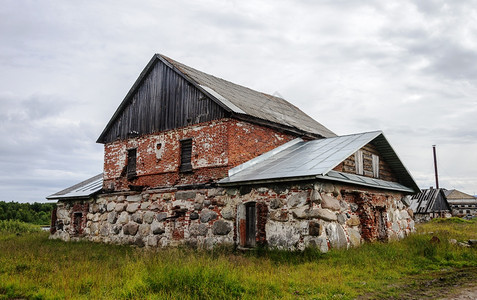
{"x": 435, "y": 165}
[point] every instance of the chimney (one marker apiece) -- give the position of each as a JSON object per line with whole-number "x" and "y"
{"x": 435, "y": 166}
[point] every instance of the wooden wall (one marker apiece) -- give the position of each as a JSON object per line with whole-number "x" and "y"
{"x": 163, "y": 101}
{"x": 349, "y": 165}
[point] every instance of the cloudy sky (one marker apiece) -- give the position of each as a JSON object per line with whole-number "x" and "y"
{"x": 408, "y": 68}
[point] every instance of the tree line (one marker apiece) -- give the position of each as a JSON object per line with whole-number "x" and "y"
{"x": 36, "y": 213}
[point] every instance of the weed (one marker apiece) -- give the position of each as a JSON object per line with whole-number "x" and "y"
{"x": 34, "y": 267}
{"x": 14, "y": 227}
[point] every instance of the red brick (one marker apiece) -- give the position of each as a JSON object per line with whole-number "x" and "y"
{"x": 217, "y": 146}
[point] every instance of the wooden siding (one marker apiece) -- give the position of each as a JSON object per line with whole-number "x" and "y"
{"x": 163, "y": 101}
{"x": 349, "y": 165}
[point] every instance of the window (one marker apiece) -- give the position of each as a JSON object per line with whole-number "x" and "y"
{"x": 358, "y": 159}
{"x": 77, "y": 223}
{"x": 375, "y": 166}
{"x": 186, "y": 154}
{"x": 131, "y": 166}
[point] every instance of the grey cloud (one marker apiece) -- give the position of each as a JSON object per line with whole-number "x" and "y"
{"x": 352, "y": 65}
{"x": 36, "y": 144}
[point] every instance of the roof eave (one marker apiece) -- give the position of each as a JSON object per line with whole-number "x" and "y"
{"x": 72, "y": 198}
{"x": 278, "y": 126}
{"x": 307, "y": 178}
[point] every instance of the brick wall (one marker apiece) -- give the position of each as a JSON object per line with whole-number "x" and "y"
{"x": 217, "y": 146}
{"x": 247, "y": 141}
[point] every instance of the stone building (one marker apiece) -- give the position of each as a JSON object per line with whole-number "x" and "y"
{"x": 193, "y": 159}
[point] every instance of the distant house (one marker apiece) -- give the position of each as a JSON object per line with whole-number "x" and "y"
{"x": 430, "y": 203}
{"x": 193, "y": 159}
{"x": 462, "y": 204}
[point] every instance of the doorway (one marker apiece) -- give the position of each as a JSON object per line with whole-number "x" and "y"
{"x": 250, "y": 224}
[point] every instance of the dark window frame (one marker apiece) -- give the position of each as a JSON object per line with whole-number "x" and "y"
{"x": 185, "y": 155}
{"x": 77, "y": 223}
{"x": 131, "y": 163}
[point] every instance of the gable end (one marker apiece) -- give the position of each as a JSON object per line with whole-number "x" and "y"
{"x": 161, "y": 99}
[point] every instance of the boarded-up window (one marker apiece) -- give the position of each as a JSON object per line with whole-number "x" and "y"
{"x": 186, "y": 154}
{"x": 375, "y": 166}
{"x": 131, "y": 167}
{"x": 358, "y": 159}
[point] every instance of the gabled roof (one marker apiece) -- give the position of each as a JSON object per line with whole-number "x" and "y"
{"x": 240, "y": 101}
{"x": 301, "y": 159}
{"x": 429, "y": 200}
{"x": 458, "y": 195}
{"x": 82, "y": 190}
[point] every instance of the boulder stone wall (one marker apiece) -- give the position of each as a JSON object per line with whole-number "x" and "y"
{"x": 288, "y": 217}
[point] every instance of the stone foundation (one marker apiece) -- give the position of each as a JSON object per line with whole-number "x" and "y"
{"x": 285, "y": 216}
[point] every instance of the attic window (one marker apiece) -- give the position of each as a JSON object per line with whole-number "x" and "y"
{"x": 358, "y": 159}
{"x": 186, "y": 154}
{"x": 131, "y": 166}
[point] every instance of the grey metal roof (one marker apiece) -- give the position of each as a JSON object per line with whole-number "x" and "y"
{"x": 366, "y": 181}
{"x": 84, "y": 189}
{"x": 317, "y": 158}
{"x": 242, "y": 100}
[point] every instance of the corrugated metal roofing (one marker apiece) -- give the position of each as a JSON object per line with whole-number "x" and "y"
{"x": 318, "y": 158}
{"x": 84, "y": 189}
{"x": 243, "y": 100}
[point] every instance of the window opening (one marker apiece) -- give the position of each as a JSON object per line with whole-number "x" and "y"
{"x": 131, "y": 166}
{"x": 381, "y": 223}
{"x": 186, "y": 154}
{"x": 77, "y": 219}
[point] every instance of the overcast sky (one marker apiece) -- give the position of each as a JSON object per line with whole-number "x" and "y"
{"x": 408, "y": 68}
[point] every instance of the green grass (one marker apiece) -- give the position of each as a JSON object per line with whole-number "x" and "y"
{"x": 14, "y": 227}
{"x": 34, "y": 267}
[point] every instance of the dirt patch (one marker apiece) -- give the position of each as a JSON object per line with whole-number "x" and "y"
{"x": 445, "y": 284}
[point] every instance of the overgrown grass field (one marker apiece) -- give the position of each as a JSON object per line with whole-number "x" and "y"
{"x": 34, "y": 267}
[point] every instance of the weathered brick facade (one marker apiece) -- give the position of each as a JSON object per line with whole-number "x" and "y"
{"x": 217, "y": 147}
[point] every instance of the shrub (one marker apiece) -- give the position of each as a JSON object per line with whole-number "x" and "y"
{"x": 17, "y": 227}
